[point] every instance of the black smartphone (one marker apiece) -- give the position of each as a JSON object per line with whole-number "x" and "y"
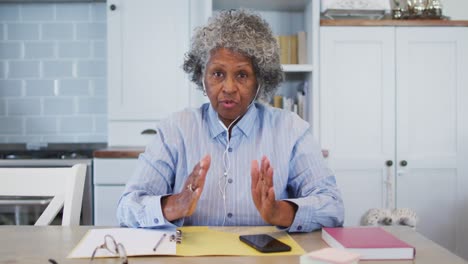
{"x": 265, "y": 243}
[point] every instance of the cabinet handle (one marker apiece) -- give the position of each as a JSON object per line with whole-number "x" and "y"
{"x": 389, "y": 163}
{"x": 403, "y": 163}
{"x": 149, "y": 132}
{"x": 112, "y": 7}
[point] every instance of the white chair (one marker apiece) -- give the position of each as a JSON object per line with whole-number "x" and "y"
{"x": 65, "y": 185}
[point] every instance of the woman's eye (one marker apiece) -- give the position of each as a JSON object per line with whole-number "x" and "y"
{"x": 242, "y": 75}
{"x": 218, "y": 74}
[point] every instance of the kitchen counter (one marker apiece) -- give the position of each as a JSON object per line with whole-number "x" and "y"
{"x": 118, "y": 152}
{"x": 394, "y": 22}
{"x": 133, "y": 152}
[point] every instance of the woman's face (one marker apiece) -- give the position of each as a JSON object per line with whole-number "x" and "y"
{"x": 230, "y": 84}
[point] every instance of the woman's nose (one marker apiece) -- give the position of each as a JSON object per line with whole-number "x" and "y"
{"x": 229, "y": 85}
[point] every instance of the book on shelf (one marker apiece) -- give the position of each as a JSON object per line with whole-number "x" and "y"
{"x": 370, "y": 242}
{"x": 301, "y": 47}
{"x": 293, "y": 48}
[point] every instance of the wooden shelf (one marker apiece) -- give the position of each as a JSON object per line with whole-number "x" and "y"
{"x": 395, "y": 22}
{"x": 298, "y": 67}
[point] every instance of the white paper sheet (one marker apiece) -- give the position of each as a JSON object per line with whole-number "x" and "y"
{"x": 137, "y": 242}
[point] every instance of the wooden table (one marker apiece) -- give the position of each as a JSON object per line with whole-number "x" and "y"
{"x": 30, "y": 244}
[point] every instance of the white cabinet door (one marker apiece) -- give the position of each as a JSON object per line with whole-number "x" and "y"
{"x": 147, "y": 41}
{"x": 432, "y": 127}
{"x": 357, "y": 118}
{"x": 106, "y": 199}
{"x": 110, "y": 177}
{"x": 399, "y": 94}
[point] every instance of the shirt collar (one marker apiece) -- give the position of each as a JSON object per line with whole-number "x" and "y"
{"x": 245, "y": 124}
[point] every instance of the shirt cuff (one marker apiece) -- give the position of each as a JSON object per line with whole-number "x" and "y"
{"x": 151, "y": 214}
{"x": 302, "y": 219}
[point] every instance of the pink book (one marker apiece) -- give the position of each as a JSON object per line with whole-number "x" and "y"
{"x": 369, "y": 242}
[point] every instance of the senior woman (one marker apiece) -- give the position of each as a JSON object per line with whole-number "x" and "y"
{"x": 233, "y": 161}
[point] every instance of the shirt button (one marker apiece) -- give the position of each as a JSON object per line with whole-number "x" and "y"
{"x": 156, "y": 220}
{"x": 229, "y": 215}
{"x": 230, "y": 180}
{"x": 230, "y": 149}
{"x": 299, "y": 228}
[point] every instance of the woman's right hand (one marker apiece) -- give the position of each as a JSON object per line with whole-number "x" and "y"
{"x": 183, "y": 204}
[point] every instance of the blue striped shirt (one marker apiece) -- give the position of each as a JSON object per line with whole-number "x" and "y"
{"x": 300, "y": 174}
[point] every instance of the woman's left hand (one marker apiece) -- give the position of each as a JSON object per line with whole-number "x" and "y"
{"x": 279, "y": 213}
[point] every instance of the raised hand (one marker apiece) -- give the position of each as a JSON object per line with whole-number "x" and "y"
{"x": 279, "y": 213}
{"x": 184, "y": 203}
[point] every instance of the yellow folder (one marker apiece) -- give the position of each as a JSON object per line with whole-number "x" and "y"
{"x": 212, "y": 241}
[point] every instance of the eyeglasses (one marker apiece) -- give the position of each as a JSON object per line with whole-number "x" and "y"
{"x": 113, "y": 247}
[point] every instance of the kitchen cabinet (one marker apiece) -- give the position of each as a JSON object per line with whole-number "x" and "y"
{"x": 110, "y": 177}
{"x": 147, "y": 41}
{"x": 393, "y": 110}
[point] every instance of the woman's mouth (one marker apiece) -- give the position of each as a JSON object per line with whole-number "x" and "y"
{"x": 228, "y": 103}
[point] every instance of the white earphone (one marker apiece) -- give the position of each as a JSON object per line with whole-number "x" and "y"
{"x": 223, "y": 180}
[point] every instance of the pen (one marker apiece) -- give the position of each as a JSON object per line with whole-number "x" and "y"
{"x": 159, "y": 242}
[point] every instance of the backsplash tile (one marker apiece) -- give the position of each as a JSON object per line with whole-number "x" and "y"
{"x": 39, "y": 50}
{"x": 53, "y": 72}
{"x": 74, "y": 49}
{"x": 57, "y": 69}
{"x": 37, "y": 12}
{"x": 73, "y": 12}
{"x": 59, "y": 106}
{"x": 98, "y": 87}
{"x": 26, "y": 31}
{"x": 95, "y": 31}
{"x": 24, "y": 106}
{"x": 10, "y": 50}
{"x": 92, "y": 105}
{"x": 93, "y": 68}
{"x": 57, "y": 31}
{"x": 23, "y": 69}
{"x": 77, "y": 87}
{"x": 42, "y": 125}
{"x": 99, "y": 12}
{"x": 76, "y": 124}
{"x": 11, "y": 125}
{"x": 100, "y": 49}
{"x": 39, "y": 87}
{"x": 2, "y": 107}
{"x": 10, "y": 88}
{"x": 2, "y": 70}
{"x": 9, "y": 12}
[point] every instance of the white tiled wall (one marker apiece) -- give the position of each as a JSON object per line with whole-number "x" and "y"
{"x": 53, "y": 72}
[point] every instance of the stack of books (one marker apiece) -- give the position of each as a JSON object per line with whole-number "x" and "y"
{"x": 296, "y": 105}
{"x": 293, "y": 49}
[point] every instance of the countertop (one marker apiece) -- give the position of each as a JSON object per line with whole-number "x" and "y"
{"x": 118, "y": 152}
{"x": 133, "y": 152}
{"x": 394, "y": 22}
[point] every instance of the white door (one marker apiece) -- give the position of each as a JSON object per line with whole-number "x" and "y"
{"x": 106, "y": 200}
{"x": 432, "y": 89}
{"x": 357, "y": 112}
{"x": 147, "y": 41}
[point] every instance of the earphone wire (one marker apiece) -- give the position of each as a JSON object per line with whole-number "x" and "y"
{"x": 226, "y": 160}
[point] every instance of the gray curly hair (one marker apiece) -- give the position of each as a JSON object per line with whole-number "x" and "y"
{"x": 244, "y": 32}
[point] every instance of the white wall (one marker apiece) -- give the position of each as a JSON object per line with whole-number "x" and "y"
{"x": 455, "y": 9}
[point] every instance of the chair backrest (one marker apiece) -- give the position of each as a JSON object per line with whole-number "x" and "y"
{"x": 65, "y": 185}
